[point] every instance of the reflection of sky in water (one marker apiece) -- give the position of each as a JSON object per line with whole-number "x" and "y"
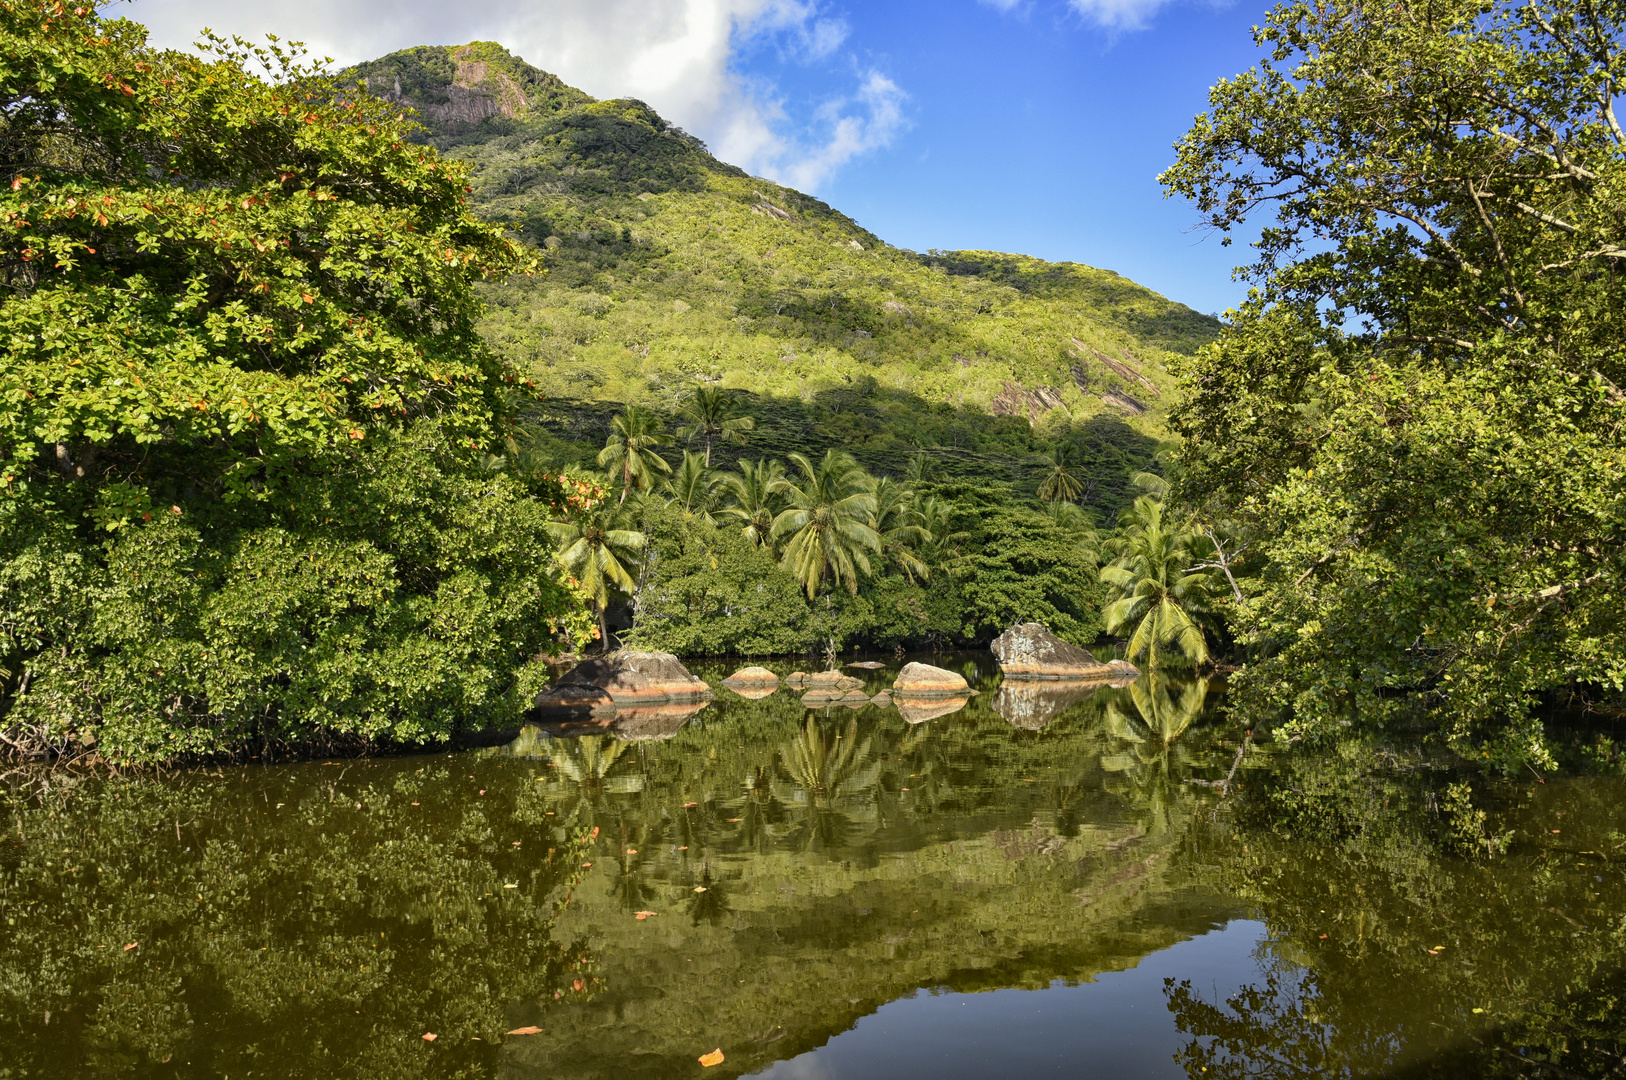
{"x": 1118, "y": 1026}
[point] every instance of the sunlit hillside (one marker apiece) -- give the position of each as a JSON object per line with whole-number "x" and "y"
{"x": 667, "y": 267}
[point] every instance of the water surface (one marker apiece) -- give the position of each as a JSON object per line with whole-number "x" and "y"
{"x": 1026, "y": 885}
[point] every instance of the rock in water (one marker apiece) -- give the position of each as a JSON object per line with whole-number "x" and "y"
{"x": 833, "y": 680}
{"x": 1031, "y": 704}
{"x": 1031, "y": 651}
{"x": 751, "y": 676}
{"x": 921, "y": 709}
{"x": 562, "y": 702}
{"x": 632, "y": 677}
{"x": 923, "y": 680}
{"x": 796, "y": 678}
{"x": 642, "y": 722}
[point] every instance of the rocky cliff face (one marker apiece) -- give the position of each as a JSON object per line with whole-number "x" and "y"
{"x": 455, "y": 89}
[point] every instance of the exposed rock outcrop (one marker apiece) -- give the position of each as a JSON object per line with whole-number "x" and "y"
{"x": 923, "y": 680}
{"x": 631, "y": 677}
{"x": 1031, "y": 651}
{"x": 833, "y": 680}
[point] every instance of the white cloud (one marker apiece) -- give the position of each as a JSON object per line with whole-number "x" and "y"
{"x": 678, "y": 55}
{"x": 1118, "y": 14}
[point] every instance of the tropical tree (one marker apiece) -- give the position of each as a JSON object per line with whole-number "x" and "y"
{"x": 896, "y": 521}
{"x": 943, "y": 542}
{"x": 1159, "y": 596}
{"x": 695, "y": 488}
{"x": 600, "y": 551}
{"x": 629, "y": 454}
{"x": 754, "y": 494}
{"x": 711, "y": 413}
{"x": 1064, "y": 480}
{"x": 825, "y": 527}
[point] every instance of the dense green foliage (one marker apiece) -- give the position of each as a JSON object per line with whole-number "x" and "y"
{"x": 1413, "y": 426}
{"x": 668, "y": 266}
{"x": 243, "y": 408}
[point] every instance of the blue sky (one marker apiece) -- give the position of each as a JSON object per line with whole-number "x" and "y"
{"x": 1035, "y": 130}
{"x": 1036, "y": 126}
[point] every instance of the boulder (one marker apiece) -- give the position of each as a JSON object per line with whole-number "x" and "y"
{"x": 853, "y": 696}
{"x": 751, "y": 676}
{"x": 920, "y": 710}
{"x": 571, "y": 702}
{"x": 833, "y": 680}
{"x": 883, "y": 699}
{"x": 867, "y": 665}
{"x": 752, "y": 693}
{"x": 796, "y": 678}
{"x": 1123, "y": 671}
{"x": 1031, "y": 651}
{"x": 923, "y": 680}
{"x": 818, "y": 699}
{"x": 632, "y": 677}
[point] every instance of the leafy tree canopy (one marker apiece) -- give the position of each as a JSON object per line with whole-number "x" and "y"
{"x": 1417, "y": 413}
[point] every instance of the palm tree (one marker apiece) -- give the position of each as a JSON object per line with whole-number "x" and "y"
{"x": 1157, "y": 594}
{"x": 942, "y": 545}
{"x": 711, "y": 413}
{"x": 1063, "y": 481}
{"x": 597, "y": 549}
{"x": 630, "y": 453}
{"x": 896, "y": 522}
{"x": 826, "y": 524}
{"x": 694, "y": 487}
{"x": 754, "y": 494}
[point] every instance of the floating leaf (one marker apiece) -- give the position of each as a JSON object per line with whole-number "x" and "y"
{"x": 699, "y": 888}
{"x": 132, "y": 945}
{"x": 531, "y": 1029}
{"x": 641, "y": 915}
{"x": 713, "y": 1058}
{"x": 430, "y": 1036}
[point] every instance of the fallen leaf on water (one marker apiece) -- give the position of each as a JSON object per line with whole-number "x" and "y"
{"x": 732, "y": 819}
{"x": 1558, "y": 830}
{"x": 429, "y": 1036}
{"x": 632, "y": 851}
{"x": 585, "y": 865}
{"x": 685, "y": 847}
{"x": 529, "y": 1030}
{"x": 510, "y": 886}
{"x": 132, "y": 945}
{"x": 699, "y": 888}
{"x": 690, "y": 805}
{"x": 1479, "y": 1010}
{"x": 644, "y": 914}
{"x": 578, "y": 985}
{"x": 482, "y": 791}
{"x": 595, "y": 832}
{"x": 713, "y": 1058}
{"x": 414, "y": 804}
{"x": 1323, "y": 937}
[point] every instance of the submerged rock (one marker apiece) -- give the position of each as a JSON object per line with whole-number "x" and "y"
{"x": 1031, "y": 651}
{"x": 867, "y": 665}
{"x": 833, "y": 680}
{"x": 1031, "y": 704}
{"x": 923, "y": 680}
{"x": 920, "y": 710}
{"x": 796, "y": 678}
{"x": 643, "y": 722}
{"x": 883, "y": 699}
{"x": 632, "y": 677}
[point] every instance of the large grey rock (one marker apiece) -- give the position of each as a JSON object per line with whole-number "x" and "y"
{"x": 1031, "y": 651}
{"x": 561, "y": 702}
{"x": 632, "y": 677}
{"x": 923, "y": 680}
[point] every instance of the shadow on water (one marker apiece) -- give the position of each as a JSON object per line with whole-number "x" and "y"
{"x": 776, "y": 882}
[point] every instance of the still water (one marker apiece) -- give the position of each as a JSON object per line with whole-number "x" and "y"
{"x": 1027, "y": 886}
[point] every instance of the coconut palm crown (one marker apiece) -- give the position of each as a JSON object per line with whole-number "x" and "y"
{"x": 630, "y": 455}
{"x": 825, "y": 526}
{"x": 711, "y": 414}
{"x": 1158, "y": 597}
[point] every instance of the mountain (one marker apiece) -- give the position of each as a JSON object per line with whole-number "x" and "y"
{"x": 667, "y": 267}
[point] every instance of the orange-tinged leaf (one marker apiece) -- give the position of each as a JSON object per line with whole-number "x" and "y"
{"x": 430, "y": 1036}
{"x": 530, "y": 1029}
{"x": 641, "y": 915}
{"x": 132, "y": 945}
{"x": 632, "y": 851}
{"x": 713, "y": 1058}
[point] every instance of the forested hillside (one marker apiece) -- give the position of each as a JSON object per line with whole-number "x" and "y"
{"x": 668, "y": 269}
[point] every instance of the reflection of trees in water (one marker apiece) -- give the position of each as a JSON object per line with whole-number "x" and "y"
{"x": 1150, "y": 768}
{"x": 587, "y": 764}
{"x": 826, "y": 782}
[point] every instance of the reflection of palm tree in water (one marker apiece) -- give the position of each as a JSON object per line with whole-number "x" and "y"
{"x": 825, "y": 776}
{"x": 587, "y": 763}
{"x": 1164, "y": 708}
